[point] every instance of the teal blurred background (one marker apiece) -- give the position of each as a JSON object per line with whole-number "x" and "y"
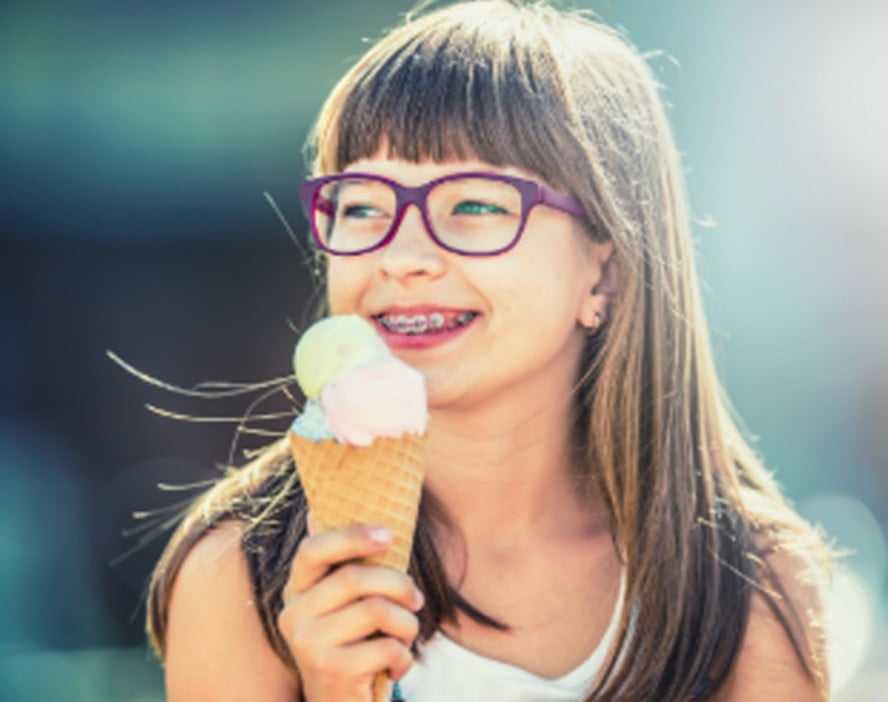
{"x": 137, "y": 142}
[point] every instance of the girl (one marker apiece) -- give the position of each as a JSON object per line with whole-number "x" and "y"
{"x": 593, "y": 525}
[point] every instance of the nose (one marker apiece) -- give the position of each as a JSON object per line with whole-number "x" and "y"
{"x": 412, "y": 251}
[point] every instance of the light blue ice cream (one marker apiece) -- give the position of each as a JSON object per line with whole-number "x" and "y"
{"x": 311, "y": 423}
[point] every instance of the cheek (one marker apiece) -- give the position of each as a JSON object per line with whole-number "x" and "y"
{"x": 344, "y": 281}
{"x": 540, "y": 296}
{"x": 532, "y": 328}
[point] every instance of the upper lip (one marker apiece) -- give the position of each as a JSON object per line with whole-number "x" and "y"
{"x": 420, "y": 309}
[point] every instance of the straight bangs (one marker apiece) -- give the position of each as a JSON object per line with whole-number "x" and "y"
{"x": 444, "y": 89}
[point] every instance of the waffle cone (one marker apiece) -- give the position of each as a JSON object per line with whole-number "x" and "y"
{"x": 376, "y": 484}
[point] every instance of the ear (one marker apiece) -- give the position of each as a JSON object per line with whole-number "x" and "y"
{"x": 602, "y": 284}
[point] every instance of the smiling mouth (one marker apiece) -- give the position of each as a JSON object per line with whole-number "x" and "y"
{"x": 418, "y": 325}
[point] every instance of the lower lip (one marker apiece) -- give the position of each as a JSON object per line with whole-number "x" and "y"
{"x": 421, "y": 341}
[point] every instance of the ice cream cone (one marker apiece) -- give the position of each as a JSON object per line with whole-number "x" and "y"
{"x": 376, "y": 484}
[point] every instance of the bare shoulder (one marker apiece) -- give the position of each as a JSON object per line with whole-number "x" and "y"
{"x": 768, "y": 666}
{"x": 216, "y": 646}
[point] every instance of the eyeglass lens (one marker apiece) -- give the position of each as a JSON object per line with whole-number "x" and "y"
{"x": 471, "y": 214}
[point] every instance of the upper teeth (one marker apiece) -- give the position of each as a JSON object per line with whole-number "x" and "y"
{"x": 420, "y": 322}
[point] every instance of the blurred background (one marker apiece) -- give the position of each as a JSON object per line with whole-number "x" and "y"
{"x": 137, "y": 142}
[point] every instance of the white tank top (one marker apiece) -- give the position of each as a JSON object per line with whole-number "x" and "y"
{"x": 450, "y": 672}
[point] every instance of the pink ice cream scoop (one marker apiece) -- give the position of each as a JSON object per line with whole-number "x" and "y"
{"x": 383, "y": 397}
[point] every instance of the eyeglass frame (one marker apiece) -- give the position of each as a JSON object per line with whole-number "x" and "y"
{"x": 532, "y": 194}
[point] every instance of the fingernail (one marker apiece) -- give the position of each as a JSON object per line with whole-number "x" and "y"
{"x": 380, "y": 535}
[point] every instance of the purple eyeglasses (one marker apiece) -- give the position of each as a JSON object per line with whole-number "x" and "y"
{"x": 472, "y": 214}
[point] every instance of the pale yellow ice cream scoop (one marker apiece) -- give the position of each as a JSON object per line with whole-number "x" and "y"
{"x": 334, "y": 345}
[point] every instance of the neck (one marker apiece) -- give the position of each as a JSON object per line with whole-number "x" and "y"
{"x": 506, "y": 479}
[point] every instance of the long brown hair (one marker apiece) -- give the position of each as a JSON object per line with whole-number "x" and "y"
{"x": 692, "y": 506}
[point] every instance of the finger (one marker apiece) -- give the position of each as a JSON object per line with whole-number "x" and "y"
{"x": 317, "y": 554}
{"x": 370, "y": 657}
{"x": 353, "y": 581}
{"x": 363, "y": 619}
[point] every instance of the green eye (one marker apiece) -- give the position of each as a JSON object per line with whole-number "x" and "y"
{"x": 476, "y": 207}
{"x": 359, "y": 211}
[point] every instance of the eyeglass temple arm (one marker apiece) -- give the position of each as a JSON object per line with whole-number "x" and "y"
{"x": 566, "y": 203}
{"x": 325, "y": 205}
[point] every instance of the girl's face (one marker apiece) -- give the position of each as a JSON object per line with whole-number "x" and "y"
{"x": 529, "y": 299}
